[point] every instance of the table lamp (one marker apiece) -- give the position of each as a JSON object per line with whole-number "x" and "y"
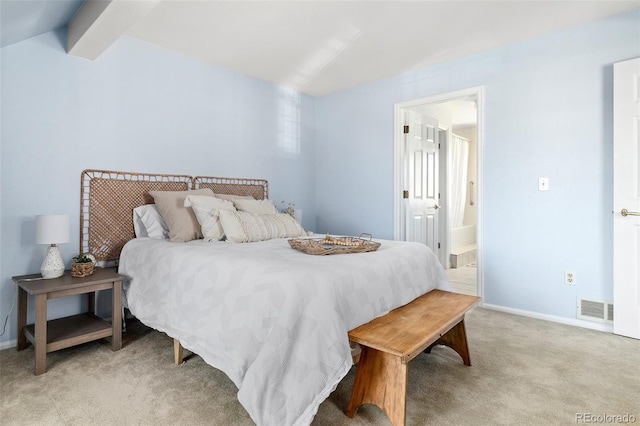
{"x": 52, "y": 229}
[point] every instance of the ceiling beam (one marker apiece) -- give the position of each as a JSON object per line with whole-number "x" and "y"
{"x": 99, "y": 23}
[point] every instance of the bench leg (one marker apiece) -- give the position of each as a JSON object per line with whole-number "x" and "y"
{"x": 456, "y": 339}
{"x": 381, "y": 379}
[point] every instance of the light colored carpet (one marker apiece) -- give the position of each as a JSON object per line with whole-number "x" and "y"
{"x": 524, "y": 371}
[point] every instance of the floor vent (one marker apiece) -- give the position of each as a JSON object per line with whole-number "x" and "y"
{"x": 595, "y": 310}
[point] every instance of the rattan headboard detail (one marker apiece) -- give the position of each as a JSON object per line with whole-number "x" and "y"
{"x": 257, "y": 188}
{"x": 107, "y": 200}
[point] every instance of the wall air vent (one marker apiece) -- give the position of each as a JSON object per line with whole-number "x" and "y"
{"x": 595, "y": 310}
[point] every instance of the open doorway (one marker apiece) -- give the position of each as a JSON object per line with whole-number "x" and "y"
{"x": 459, "y": 120}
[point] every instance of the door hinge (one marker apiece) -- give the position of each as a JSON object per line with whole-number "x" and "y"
{"x": 438, "y": 245}
{"x": 438, "y": 195}
{"x": 406, "y": 129}
{"x": 405, "y": 194}
{"x": 438, "y": 145}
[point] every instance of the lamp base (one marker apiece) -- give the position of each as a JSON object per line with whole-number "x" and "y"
{"x": 52, "y": 265}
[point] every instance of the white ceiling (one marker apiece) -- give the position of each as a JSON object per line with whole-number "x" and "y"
{"x": 320, "y": 47}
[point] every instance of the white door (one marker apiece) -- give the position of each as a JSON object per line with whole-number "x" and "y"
{"x": 626, "y": 198}
{"x": 421, "y": 180}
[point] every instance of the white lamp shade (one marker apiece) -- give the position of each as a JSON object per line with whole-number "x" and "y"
{"x": 52, "y": 229}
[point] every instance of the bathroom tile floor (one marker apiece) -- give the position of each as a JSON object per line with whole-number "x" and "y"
{"x": 464, "y": 279}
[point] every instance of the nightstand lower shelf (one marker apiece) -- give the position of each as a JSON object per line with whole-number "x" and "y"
{"x": 70, "y": 331}
{"x": 49, "y": 336}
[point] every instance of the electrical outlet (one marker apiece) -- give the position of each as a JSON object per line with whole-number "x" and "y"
{"x": 569, "y": 278}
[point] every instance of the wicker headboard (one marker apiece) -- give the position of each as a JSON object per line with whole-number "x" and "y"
{"x": 107, "y": 200}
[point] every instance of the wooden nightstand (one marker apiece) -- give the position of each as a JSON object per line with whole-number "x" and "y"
{"x": 49, "y": 336}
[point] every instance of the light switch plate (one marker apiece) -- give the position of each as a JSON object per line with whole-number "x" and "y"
{"x": 543, "y": 184}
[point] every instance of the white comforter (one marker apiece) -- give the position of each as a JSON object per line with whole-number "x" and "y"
{"x": 273, "y": 319}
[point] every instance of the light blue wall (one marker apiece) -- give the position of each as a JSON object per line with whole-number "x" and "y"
{"x": 142, "y": 108}
{"x": 136, "y": 108}
{"x": 548, "y": 113}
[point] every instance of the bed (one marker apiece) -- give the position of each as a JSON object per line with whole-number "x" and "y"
{"x": 273, "y": 319}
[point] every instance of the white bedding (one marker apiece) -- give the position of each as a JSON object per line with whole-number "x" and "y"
{"x": 273, "y": 319}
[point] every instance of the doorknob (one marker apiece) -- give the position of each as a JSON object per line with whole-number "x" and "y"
{"x": 625, "y": 212}
{"x": 436, "y": 207}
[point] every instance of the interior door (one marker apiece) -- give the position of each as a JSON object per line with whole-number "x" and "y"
{"x": 626, "y": 198}
{"x": 421, "y": 180}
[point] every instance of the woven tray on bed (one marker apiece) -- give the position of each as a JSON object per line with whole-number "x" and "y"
{"x": 334, "y": 245}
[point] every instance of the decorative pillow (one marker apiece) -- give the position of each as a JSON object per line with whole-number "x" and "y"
{"x": 233, "y": 197}
{"x": 244, "y": 227}
{"x": 147, "y": 222}
{"x": 181, "y": 221}
{"x": 207, "y": 210}
{"x": 255, "y": 206}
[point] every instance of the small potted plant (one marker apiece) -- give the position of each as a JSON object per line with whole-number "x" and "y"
{"x": 82, "y": 265}
{"x": 290, "y": 208}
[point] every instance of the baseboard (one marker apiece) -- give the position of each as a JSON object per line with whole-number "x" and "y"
{"x": 8, "y": 344}
{"x": 608, "y": 328}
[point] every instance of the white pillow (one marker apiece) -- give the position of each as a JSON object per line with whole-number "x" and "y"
{"x": 244, "y": 227}
{"x": 207, "y": 210}
{"x": 147, "y": 222}
{"x": 255, "y": 206}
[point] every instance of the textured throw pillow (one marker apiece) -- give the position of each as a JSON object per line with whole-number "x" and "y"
{"x": 207, "y": 210}
{"x": 181, "y": 221}
{"x": 245, "y": 227}
{"x": 147, "y": 222}
{"x": 255, "y": 206}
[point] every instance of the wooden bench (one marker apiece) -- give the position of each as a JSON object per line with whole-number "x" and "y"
{"x": 389, "y": 342}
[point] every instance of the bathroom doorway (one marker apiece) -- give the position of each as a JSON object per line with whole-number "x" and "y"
{"x": 459, "y": 137}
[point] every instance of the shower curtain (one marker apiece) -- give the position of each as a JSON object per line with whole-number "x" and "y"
{"x": 458, "y": 162}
